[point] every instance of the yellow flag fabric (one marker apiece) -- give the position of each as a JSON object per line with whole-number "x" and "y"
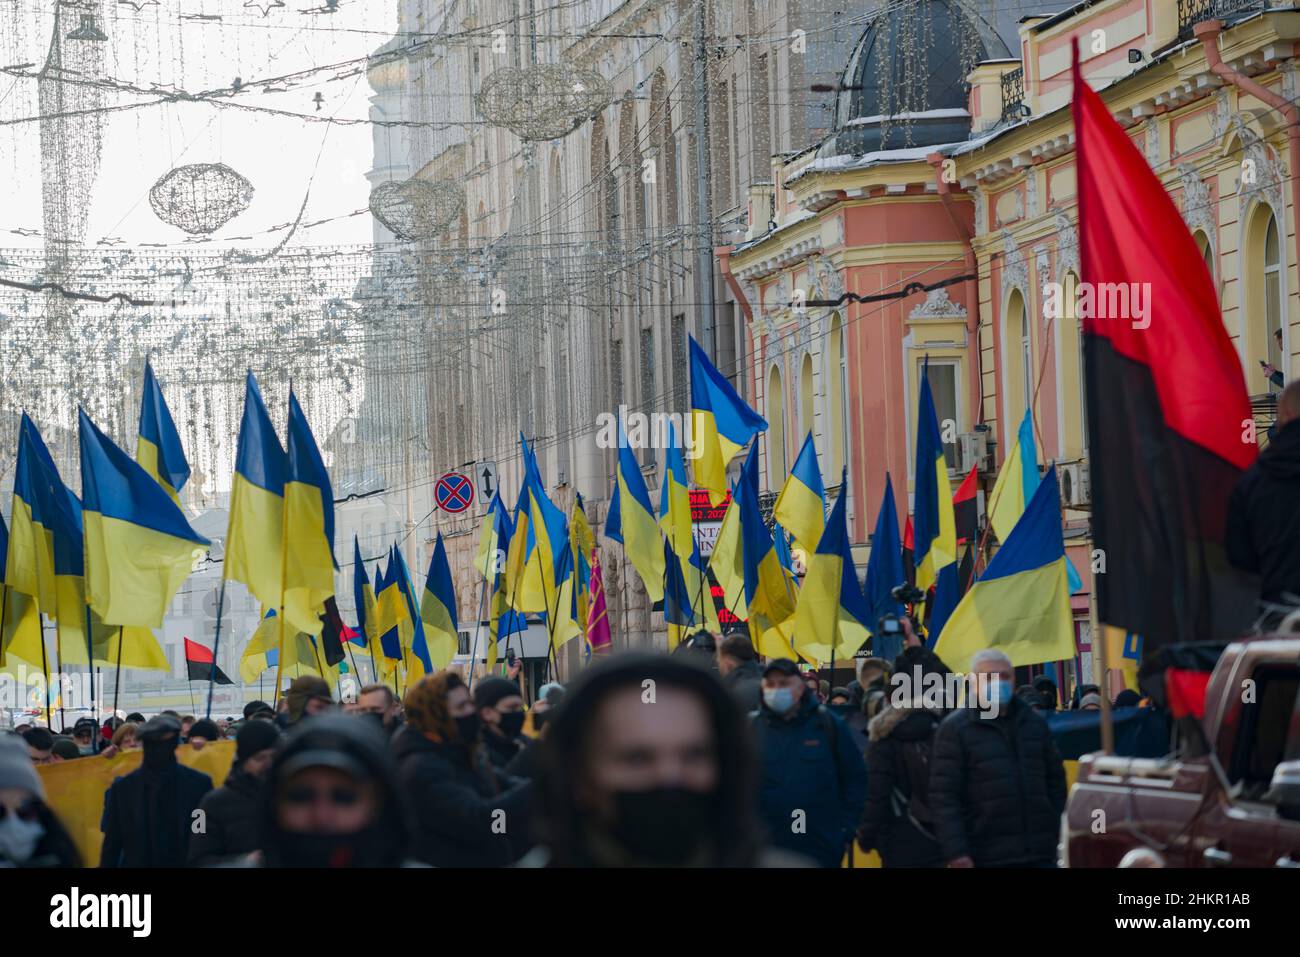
{"x": 75, "y": 789}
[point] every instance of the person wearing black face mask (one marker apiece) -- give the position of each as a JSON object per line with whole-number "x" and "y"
{"x": 332, "y": 800}
{"x": 148, "y": 813}
{"x": 231, "y": 810}
{"x": 501, "y": 710}
{"x": 467, "y": 813}
{"x": 628, "y": 780}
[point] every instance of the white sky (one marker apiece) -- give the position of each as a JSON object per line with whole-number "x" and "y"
{"x": 154, "y": 47}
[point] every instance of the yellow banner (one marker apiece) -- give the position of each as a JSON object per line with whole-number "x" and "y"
{"x": 75, "y": 789}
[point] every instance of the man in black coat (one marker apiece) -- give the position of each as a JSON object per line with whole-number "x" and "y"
{"x": 230, "y": 812}
{"x": 740, "y": 671}
{"x": 149, "y": 813}
{"x": 500, "y": 704}
{"x": 1263, "y": 532}
{"x": 997, "y": 784}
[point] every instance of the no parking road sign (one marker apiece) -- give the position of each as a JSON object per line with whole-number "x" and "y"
{"x": 454, "y": 492}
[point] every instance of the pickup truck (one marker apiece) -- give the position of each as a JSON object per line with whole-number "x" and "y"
{"x": 1228, "y": 797}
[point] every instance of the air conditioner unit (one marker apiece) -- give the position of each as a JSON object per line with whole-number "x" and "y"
{"x": 973, "y": 451}
{"x": 1076, "y": 487}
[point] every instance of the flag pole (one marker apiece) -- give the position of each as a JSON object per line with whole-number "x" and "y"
{"x": 1101, "y": 656}
{"x": 478, "y": 628}
{"x": 117, "y": 680}
{"x": 216, "y": 645}
{"x": 45, "y": 670}
{"x": 90, "y": 662}
{"x": 58, "y": 658}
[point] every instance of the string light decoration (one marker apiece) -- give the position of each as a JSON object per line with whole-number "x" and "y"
{"x": 416, "y": 209}
{"x": 544, "y": 101}
{"x": 200, "y": 198}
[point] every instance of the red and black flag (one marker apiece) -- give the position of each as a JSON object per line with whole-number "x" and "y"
{"x": 199, "y": 664}
{"x": 909, "y": 554}
{"x": 1169, "y": 420}
{"x": 333, "y": 633}
{"x": 965, "y": 508}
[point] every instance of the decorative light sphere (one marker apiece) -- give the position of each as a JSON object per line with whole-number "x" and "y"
{"x": 544, "y": 101}
{"x": 416, "y": 208}
{"x": 200, "y": 198}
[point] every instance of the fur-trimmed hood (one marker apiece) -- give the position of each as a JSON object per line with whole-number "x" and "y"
{"x": 891, "y": 719}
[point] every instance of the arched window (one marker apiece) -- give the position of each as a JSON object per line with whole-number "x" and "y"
{"x": 805, "y": 397}
{"x": 1262, "y": 322}
{"x": 1017, "y": 353}
{"x": 776, "y": 459}
{"x": 665, "y": 146}
{"x": 1026, "y": 356}
{"x": 1074, "y": 406}
{"x": 1207, "y": 253}
{"x": 836, "y": 398}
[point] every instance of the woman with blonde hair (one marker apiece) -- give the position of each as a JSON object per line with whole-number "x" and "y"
{"x": 467, "y": 815}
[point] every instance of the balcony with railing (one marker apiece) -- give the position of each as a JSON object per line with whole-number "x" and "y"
{"x": 1013, "y": 94}
{"x": 1192, "y": 12}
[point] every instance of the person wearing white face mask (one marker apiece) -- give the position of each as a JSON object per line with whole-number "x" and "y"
{"x": 30, "y": 834}
{"x": 997, "y": 784}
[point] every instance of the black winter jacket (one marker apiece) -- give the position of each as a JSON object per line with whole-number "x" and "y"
{"x": 745, "y": 682}
{"x": 148, "y": 816}
{"x": 230, "y": 825}
{"x": 1263, "y": 533}
{"x": 997, "y": 787}
{"x": 456, "y": 801}
{"x": 886, "y": 826}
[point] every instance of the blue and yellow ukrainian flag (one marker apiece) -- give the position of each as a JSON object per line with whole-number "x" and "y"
{"x": 438, "y": 609}
{"x": 831, "y": 621}
{"x": 801, "y": 506}
{"x": 548, "y": 533}
{"x": 934, "y": 526}
{"x": 726, "y": 562}
{"x": 496, "y": 544}
{"x": 139, "y": 548}
{"x": 885, "y": 573}
{"x": 158, "y": 449}
{"x": 722, "y": 423}
{"x": 1015, "y": 486}
{"x": 769, "y": 590}
{"x": 255, "y": 534}
{"x": 262, "y": 650}
{"x": 1021, "y": 604}
{"x": 678, "y": 613}
{"x": 363, "y": 594}
{"x": 21, "y": 633}
{"x": 308, "y": 528}
{"x": 415, "y": 650}
{"x": 631, "y": 521}
{"x": 582, "y": 543}
{"x": 679, "y": 533}
{"x": 394, "y": 621}
{"x": 29, "y": 568}
{"x": 1016, "y": 482}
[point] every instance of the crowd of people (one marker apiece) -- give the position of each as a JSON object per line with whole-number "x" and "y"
{"x": 709, "y": 756}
